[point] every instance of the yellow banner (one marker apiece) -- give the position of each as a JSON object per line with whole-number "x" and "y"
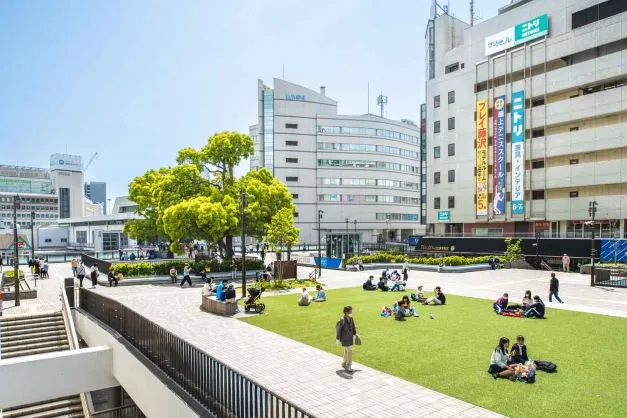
{"x": 482, "y": 158}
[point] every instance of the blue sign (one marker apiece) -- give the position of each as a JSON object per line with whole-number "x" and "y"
{"x": 444, "y": 215}
{"x": 518, "y": 152}
{"x": 413, "y": 240}
{"x": 297, "y": 97}
{"x": 614, "y": 250}
{"x": 498, "y": 184}
{"x": 329, "y": 263}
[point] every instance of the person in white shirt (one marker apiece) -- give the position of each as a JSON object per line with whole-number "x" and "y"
{"x": 498, "y": 361}
{"x": 80, "y": 273}
{"x": 187, "y": 270}
{"x": 305, "y": 298}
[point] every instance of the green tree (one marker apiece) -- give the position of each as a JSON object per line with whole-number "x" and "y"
{"x": 513, "y": 250}
{"x": 281, "y": 231}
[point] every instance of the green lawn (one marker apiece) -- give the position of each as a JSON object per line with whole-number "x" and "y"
{"x": 451, "y": 353}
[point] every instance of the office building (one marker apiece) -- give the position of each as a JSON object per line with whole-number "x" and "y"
{"x": 527, "y": 120}
{"x": 96, "y": 192}
{"x": 363, "y": 171}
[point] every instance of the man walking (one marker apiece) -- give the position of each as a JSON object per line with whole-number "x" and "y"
{"x": 554, "y": 288}
{"x": 80, "y": 273}
{"x": 187, "y": 270}
{"x": 74, "y": 266}
{"x": 566, "y": 263}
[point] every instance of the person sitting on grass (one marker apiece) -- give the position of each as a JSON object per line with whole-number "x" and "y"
{"x": 419, "y": 296}
{"x": 403, "y": 308}
{"x": 382, "y": 286}
{"x": 321, "y": 295}
{"x": 229, "y": 294}
{"x": 536, "y": 309}
{"x": 368, "y": 285}
{"x": 437, "y": 299}
{"x": 526, "y": 301}
{"x": 518, "y": 355}
{"x": 498, "y": 361}
{"x": 305, "y": 298}
{"x": 500, "y": 305}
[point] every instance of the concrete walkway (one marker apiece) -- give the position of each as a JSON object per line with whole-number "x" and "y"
{"x": 303, "y": 375}
{"x": 47, "y": 300}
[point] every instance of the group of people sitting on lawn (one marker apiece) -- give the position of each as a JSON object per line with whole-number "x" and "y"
{"x": 224, "y": 291}
{"x": 515, "y": 364}
{"x": 530, "y": 307}
{"x": 398, "y": 282}
{"x": 402, "y": 308}
{"x": 305, "y": 298}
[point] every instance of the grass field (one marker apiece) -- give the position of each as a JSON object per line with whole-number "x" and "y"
{"x": 451, "y": 353}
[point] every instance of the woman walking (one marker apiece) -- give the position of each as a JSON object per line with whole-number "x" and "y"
{"x": 346, "y": 334}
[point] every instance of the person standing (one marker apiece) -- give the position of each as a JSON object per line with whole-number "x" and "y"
{"x": 346, "y": 335}
{"x": 80, "y": 273}
{"x": 94, "y": 276}
{"x": 187, "y": 270}
{"x": 566, "y": 263}
{"x": 74, "y": 266}
{"x": 554, "y": 288}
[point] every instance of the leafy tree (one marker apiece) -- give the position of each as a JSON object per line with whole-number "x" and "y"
{"x": 513, "y": 250}
{"x": 281, "y": 231}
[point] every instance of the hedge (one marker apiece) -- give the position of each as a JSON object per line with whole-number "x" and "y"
{"x": 9, "y": 274}
{"x": 452, "y": 260}
{"x": 163, "y": 269}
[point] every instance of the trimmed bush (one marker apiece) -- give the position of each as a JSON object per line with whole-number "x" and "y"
{"x": 163, "y": 268}
{"x": 452, "y": 260}
{"x": 10, "y": 274}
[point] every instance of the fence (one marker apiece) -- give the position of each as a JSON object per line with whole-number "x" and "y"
{"x": 218, "y": 388}
{"x": 127, "y": 411}
{"x": 610, "y": 277}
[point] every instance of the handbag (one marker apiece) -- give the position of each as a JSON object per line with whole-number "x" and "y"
{"x": 357, "y": 340}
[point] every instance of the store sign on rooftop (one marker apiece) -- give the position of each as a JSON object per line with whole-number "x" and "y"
{"x": 519, "y": 34}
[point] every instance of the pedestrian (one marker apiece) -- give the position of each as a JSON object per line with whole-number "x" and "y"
{"x": 74, "y": 266}
{"x": 405, "y": 271}
{"x": 187, "y": 270}
{"x": 173, "y": 276}
{"x": 45, "y": 269}
{"x": 346, "y": 335}
{"x": 94, "y": 276}
{"x": 80, "y": 273}
{"x": 565, "y": 263}
{"x": 554, "y": 288}
{"x": 113, "y": 280}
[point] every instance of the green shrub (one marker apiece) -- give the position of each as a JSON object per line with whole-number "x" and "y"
{"x": 452, "y": 260}
{"x": 9, "y": 274}
{"x": 163, "y": 268}
{"x": 285, "y": 284}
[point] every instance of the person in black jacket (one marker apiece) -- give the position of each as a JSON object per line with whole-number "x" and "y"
{"x": 518, "y": 355}
{"x": 345, "y": 333}
{"x": 554, "y": 288}
{"x": 536, "y": 309}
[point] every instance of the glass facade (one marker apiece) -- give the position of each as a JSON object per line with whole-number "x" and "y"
{"x": 336, "y": 181}
{"x": 356, "y": 198}
{"x": 112, "y": 241}
{"x": 268, "y": 129}
{"x": 397, "y": 216}
{"x": 25, "y": 186}
{"x": 331, "y": 146}
{"x": 423, "y": 163}
{"x": 384, "y": 133}
{"x": 368, "y": 164}
{"x": 64, "y": 202}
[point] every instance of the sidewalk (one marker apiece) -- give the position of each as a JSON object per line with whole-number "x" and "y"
{"x": 47, "y": 296}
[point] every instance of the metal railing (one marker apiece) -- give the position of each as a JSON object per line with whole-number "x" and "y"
{"x": 127, "y": 411}
{"x": 610, "y": 277}
{"x": 213, "y": 384}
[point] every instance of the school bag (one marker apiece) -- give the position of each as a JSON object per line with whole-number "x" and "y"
{"x": 546, "y": 366}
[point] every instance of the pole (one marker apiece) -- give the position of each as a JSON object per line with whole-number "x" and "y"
{"x": 32, "y": 238}
{"x": 592, "y": 210}
{"x": 320, "y": 212}
{"x": 346, "y": 255}
{"x": 16, "y": 252}
{"x": 355, "y": 240}
{"x": 243, "y": 198}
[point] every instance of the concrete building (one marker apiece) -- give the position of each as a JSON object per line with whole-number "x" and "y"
{"x": 96, "y": 192}
{"x": 542, "y": 91}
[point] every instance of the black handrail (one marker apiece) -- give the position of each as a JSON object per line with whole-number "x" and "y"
{"x": 217, "y": 387}
{"x": 127, "y": 411}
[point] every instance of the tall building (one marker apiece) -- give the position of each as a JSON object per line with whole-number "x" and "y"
{"x": 96, "y": 191}
{"x": 527, "y": 120}
{"x": 362, "y": 171}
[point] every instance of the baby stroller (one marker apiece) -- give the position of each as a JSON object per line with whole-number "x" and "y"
{"x": 253, "y": 301}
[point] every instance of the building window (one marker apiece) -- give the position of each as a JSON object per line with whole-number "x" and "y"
{"x": 291, "y": 160}
{"x": 574, "y": 194}
{"x": 436, "y": 126}
{"x": 537, "y": 164}
{"x": 48, "y": 240}
{"x": 436, "y": 203}
{"x": 436, "y": 177}
{"x": 291, "y": 143}
{"x": 291, "y": 125}
{"x": 598, "y": 12}
{"x": 436, "y": 152}
{"x": 451, "y": 176}
{"x": 291, "y": 178}
{"x": 436, "y": 101}
{"x": 538, "y": 101}
{"x": 574, "y": 161}
{"x": 537, "y": 194}
{"x": 451, "y": 97}
{"x": 268, "y": 129}
{"x": 81, "y": 237}
{"x": 538, "y": 132}
{"x": 451, "y": 202}
{"x": 451, "y": 150}
{"x": 451, "y": 123}
{"x": 574, "y": 129}
{"x": 64, "y": 202}
{"x": 294, "y": 195}
{"x": 451, "y": 68}
{"x": 296, "y": 214}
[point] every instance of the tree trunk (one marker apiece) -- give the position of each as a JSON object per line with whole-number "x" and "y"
{"x": 228, "y": 243}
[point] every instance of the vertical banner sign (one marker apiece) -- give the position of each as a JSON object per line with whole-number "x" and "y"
{"x": 518, "y": 152}
{"x": 498, "y": 184}
{"x": 482, "y": 158}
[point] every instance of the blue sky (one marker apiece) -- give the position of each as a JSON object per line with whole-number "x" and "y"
{"x": 137, "y": 80}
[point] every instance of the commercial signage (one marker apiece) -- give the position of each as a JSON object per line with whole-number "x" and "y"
{"x": 297, "y": 97}
{"x": 614, "y": 250}
{"x": 519, "y": 34}
{"x": 518, "y": 152}
{"x": 498, "y": 184}
{"x": 482, "y": 158}
{"x": 66, "y": 162}
{"x": 444, "y": 215}
{"x": 413, "y": 240}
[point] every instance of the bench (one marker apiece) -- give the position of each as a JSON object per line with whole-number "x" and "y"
{"x": 212, "y": 305}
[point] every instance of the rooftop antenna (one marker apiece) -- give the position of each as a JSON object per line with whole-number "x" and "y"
{"x": 472, "y": 13}
{"x": 382, "y": 101}
{"x": 283, "y": 72}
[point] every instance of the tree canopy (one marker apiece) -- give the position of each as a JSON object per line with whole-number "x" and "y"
{"x": 282, "y": 232}
{"x": 200, "y": 197}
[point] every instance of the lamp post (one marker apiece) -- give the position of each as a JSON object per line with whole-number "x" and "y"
{"x": 16, "y": 252}
{"x": 244, "y": 201}
{"x": 355, "y": 240}
{"x": 592, "y": 210}
{"x": 385, "y": 233}
{"x": 320, "y": 212}
{"x": 346, "y": 254}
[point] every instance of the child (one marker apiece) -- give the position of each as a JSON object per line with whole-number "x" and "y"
{"x": 305, "y": 298}
{"x": 498, "y": 361}
{"x": 419, "y": 296}
{"x": 518, "y": 354}
{"x": 536, "y": 309}
{"x": 345, "y": 334}
{"x": 321, "y": 295}
{"x": 368, "y": 285}
{"x": 500, "y": 305}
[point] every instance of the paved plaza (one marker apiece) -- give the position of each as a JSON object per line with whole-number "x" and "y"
{"x": 48, "y": 297}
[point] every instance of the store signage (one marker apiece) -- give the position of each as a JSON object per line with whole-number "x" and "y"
{"x": 66, "y": 162}
{"x": 498, "y": 184}
{"x": 297, "y": 97}
{"x": 518, "y": 152}
{"x": 482, "y": 158}
{"x": 444, "y": 215}
{"x": 519, "y": 34}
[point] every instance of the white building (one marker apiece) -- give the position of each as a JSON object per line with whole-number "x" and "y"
{"x": 561, "y": 68}
{"x": 362, "y": 171}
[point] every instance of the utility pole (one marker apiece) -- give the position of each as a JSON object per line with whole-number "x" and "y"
{"x": 16, "y": 252}
{"x": 346, "y": 254}
{"x": 592, "y": 211}
{"x": 355, "y": 240}
{"x": 244, "y": 199}
{"x": 320, "y": 212}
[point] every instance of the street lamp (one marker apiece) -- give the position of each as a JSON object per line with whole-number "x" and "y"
{"x": 592, "y": 211}
{"x": 244, "y": 200}
{"x": 355, "y": 240}
{"x": 385, "y": 233}
{"x": 320, "y": 212}
{"x": 16, "y": 252}
{"x": 346, "y": 254}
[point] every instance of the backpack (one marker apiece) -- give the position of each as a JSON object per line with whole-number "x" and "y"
{"x": 546, "y": 366}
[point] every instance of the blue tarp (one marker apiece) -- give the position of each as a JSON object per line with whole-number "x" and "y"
{"x": 329, "y": 263}
{"x": 614, "y": 250}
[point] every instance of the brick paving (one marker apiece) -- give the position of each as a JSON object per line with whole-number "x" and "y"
{"x": 48, "y": 292}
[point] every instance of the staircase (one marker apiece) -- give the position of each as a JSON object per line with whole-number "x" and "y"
{"x": 37, "y": 334}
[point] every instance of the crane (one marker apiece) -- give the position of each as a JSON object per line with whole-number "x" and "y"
{"x": 91, "y": 160}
